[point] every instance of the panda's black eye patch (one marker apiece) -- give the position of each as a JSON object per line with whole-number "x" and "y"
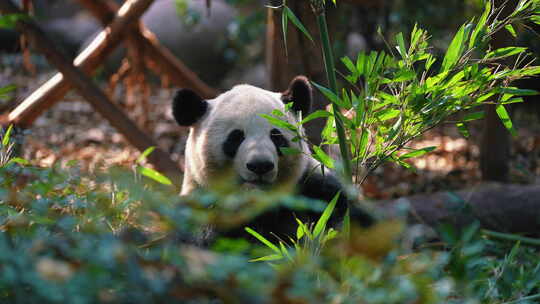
{"x": 232, "y": 143}
{"x": 279, "y": 140}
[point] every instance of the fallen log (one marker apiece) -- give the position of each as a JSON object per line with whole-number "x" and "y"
{"x": 499, "y": 207}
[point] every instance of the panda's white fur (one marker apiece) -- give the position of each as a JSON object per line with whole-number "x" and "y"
{"x": 241, "y": 109}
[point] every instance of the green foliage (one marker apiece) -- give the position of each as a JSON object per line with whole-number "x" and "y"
{"x": 6, "y": 150}
{"x": 111, "y": 238}
{"x": 289, "y": 15}
{"x": 310, "y": 240}
{"x": 189, "y": 16}
{"x": 9, "y": 21}
{"x": 5, "y": 91}
{"x": 394, "y": 98}
{"x": 149, "y": 172}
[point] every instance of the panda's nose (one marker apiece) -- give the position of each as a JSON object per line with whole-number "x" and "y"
{"x": 260, "y": 167}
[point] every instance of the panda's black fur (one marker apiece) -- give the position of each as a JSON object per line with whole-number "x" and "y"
{"x": 188, "y": 107}
{"x": 221, "y": 133}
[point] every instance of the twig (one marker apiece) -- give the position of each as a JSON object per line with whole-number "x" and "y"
{"x": 511, "y": 237}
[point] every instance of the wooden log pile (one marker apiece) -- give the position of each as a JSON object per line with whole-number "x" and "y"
{"x": 119, "y": 25}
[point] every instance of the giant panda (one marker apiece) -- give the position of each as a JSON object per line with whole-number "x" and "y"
{"x": 229, "y": 133}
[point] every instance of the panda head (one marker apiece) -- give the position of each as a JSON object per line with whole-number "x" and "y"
{"x": 228, "y": 133}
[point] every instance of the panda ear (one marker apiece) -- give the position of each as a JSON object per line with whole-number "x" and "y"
{"x": 188, "y": 107}
{"x": 300, "y": 93}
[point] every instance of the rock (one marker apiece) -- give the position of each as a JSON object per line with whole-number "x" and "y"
{"x": 201, "y": 45}
{"x": 72, "y": 32}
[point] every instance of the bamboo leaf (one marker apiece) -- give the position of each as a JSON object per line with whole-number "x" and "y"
{"x": 528, "y": 71}
{"x": 361, "y": 63}
{"x": 271, "y": 257}
{"x": 7, "y": 135}
{"x": 20, "y": 161}
{"x": 505, "y": 52}
{"x": 417, "y": 153}
{"x": 387, "y": 114}
{"x": 263, "y": 240}
{"x": 297, "y": 22}
{"x": 401, "y": 76}
{"x": 518, "y": 92}
{"x": 328, "y": 130}
{"x": 454, "y": 50}
{"x": 145, "y": 154}
{"x": 279, "y": 123}
{"x": 462, "y": 128}
{"x": 401, "y": 45}
{"x": 277, "y": 113}
{"x": 480, "y": 26}
{"x": 430, "y": 61}
{"x": 9, "y": 21}
{"x": 511, "y": 30}
{"x": 331, "y": 234}
{"x": 485, "y": 96}
{"x": 405, "y": 165}
{"x": 316, "y": 114}
{"x": 321, "y": 156}
{"x": 396, "y": 127}
{"x": 415, "y": 37}
{"x": 473, "y": 116}
{"x": 513, "y": 100}
{"x": 329, "y": 94}
{"x": 284, "y": 251}
{"x": 434, "y": 80}
{"x": 289, "y": 151}
{"x": 351, "y": 67}
{"x": 5, "y": 90}
{"x": 302, "y": 230}
{"x": 284, "y": 29}
{"x": 362, "y": 147}
{"x": 345, "y": 100}
{"x": 505, "y": 119}
{"x": 153, "y": 174}
{"x": 323, "y": 220}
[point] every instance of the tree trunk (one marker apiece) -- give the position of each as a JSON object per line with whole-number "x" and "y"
{"x": 494, "y": 147}
{"x": 495, "y": 142}
{"x": 301, "y": 57}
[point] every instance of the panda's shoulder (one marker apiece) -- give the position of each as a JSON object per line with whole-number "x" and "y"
{"x": 318, "y": 182}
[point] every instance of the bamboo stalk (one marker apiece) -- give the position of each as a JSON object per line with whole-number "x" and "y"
{"x": 331, "y": 75}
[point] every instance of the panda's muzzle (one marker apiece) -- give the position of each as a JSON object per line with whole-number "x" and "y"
{"x": 257, "y": 161}
{"x": 257, "y": 184}
{"x": 260, "y": 167}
